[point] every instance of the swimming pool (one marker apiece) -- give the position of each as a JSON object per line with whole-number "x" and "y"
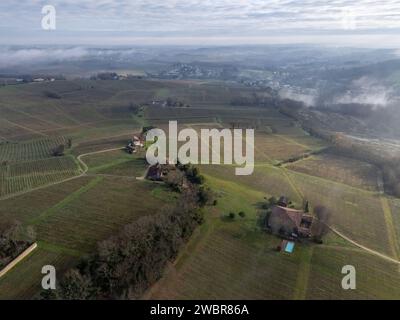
{"x": 289, "y": 247}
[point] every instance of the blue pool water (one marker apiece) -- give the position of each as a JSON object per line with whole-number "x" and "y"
{"x": 289, "y": 247}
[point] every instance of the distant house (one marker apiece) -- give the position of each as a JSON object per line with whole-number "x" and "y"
{"x": 130, "y": 148}
{"x": 289, "y": 223}
{"x": 134, "y": 144}
{"x": 138, "y": 142}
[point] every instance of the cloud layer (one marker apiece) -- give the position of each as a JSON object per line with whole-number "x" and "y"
{"x": 202, "y": 18}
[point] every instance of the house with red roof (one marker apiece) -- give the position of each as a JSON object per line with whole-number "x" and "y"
{"x": 289, "y": 223}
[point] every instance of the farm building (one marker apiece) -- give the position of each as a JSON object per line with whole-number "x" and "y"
{"x": 134, "y": 144}
{"x": 290, "y": 223}
{"x": 158, "y": 171}
{"x": 130, "y": 148}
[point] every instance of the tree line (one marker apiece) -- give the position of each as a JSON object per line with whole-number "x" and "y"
{"x": 125, "y": 265}
{"x": 13, "y": 241}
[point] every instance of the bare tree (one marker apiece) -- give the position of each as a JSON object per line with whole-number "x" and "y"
{"x": 321, "y": 225}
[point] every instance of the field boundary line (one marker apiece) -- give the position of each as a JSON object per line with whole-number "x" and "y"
{"x": 56, "y": 248}
{"x": 292, "y": 184}
{"x": 391, "y": 231}
{"x": 35, "y": 117}
{"x": 72, "y": 196}
{"x": 17, "y": 194}
{"x": 26, "y": 128}
{"x": 293, "y": 141}
{"x": 303, "y": 275}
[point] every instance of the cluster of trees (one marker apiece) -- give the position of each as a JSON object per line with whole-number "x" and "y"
{"x": 269, "y": 100}
{"x": 391, "y": 177}
{"x": 192, "y": 173}
{"x": 58, "y": 151}
{"x": 11, "y": 242}
{"x": 320, "y": 226}
{"x": 357, "y": 110}
{"x": 388, "y": 165}
{"x": 189, "y": 175}
{"x": 51, "y": 94}
{"x": 172, "y": 102}
{"x": 232, "y": 215}
{"x": 105, "y": 76}
{"x": 125, "y": 265}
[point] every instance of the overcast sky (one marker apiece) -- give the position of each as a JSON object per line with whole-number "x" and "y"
{"x": 135, "y": 22}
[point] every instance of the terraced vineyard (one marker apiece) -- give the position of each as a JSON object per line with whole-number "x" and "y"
{"x": 29, "y": 165}
{"x": 28, "y": 151}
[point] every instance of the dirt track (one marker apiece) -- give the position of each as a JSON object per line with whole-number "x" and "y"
{"x": 376, "y": 253}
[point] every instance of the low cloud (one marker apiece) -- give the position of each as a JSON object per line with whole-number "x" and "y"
{"x": 16, "y": 57}
{"x": 366, "y": 90}
{"x": 309, "y": 99}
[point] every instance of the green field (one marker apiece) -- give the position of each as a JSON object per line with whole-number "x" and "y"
{"x": 224, "y": 259}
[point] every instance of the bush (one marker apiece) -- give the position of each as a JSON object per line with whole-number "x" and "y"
{"x": 242, "y": 214}
{"x": 205, "y": 196}
{"x": 272, "y": 201}
{"x": 51, "y": 95}
{"x": 58, "y": 151}
{"x": 231, "y": 215}
{"x": 175, "y": 180}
